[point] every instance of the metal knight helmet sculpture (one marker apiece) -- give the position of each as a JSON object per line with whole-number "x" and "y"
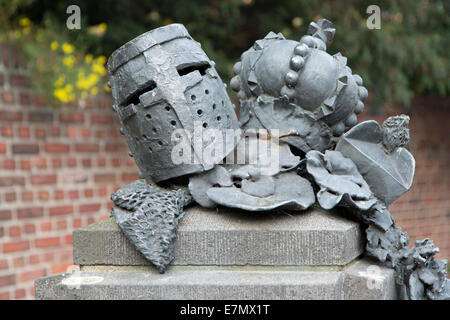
{"x": 164, "y": 87}
{"x": 163, "y": 81}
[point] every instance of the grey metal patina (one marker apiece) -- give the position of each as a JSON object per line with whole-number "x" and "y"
{"x": 298, "y": 88}
{"x": 162, "y": 81}
{"x": 377, "y": 152}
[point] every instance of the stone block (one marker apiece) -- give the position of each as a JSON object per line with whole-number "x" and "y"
{"x": 230, "y": 237}
{"x": 218, "y": 282}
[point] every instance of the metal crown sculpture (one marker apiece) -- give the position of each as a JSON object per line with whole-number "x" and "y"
{"x": 162, "y": 82}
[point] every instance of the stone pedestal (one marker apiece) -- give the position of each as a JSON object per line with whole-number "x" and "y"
{"x": 228, "y": 254}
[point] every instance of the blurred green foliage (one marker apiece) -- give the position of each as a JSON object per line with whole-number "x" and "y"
{"x": 406, "y": 57}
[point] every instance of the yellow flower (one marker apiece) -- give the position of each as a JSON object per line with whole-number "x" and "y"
{"x": 98, "y": 30}
{"x": 54, "y": 45}
{"x": 60, "y": 81}
{"x": 63, "y": 95}
{"x": 101, "y": 59}
{"x": 26, "y": 30}
{"x": 25, "y": 22}
{"x": 67, "y": 48}
{"x": 84, "y": 95}
{"x": 94, "y": 91}
{"x": 69, "y": 61}
{"x": 103, "y": 27}
{"x": 106, "y": 88}
{"x": 93, "y": 79}
{"x": 16, "y": 34}
{"x": 99, "y": 68}
{"x": 88, "y": 58}
{"x": 83, "y": 82}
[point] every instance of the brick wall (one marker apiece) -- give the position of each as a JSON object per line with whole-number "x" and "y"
{"x": 59, "y": 166}
{"x": 57, "y": 170}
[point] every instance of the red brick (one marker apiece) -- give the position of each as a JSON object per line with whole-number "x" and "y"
{"x": 24, "y": 132}
{"x": 77, "y": 223}
{"x": 19, "y": 262}
{"x": 61, "y": 225}
{"x": 86, "y": 163}
{"x": 3, "y": 264}
{"x": 56, "y": 147}
{"x": 130, "y": 176}
{"x": 61, "y": 210}
{"x": 32, "y": 275}
{"x": 31, "y": 212}
{"x": 73, "y": 194}
{"x": 43, "y": 179}
{"x": 102, "y": 118}
{"x": 11, "y": 116}
{"x": 40, "y": 133}
{"x": 48, "y": 256}
{"x": 85, "y": 132}
{"x": 10, "y": 181}
{"x": 5, "y": 295}
{"x": 20, "y": 293}
{"x": 113, "y": 147}
{"x": 14, "y": 231}
{"x": 61, "y": 267}
{"x": 2, "y": 147}
{"x": 40, "y": 117}
{"x": 104, "y": 178}
{"x": 46, "y": 226}
{"x": 71, "y": 162}
{"x": 7, "y": 280}
{"x": 58, "y": 195}
{"x": 8, "y": 164}
{"x": 19, "y": 80}
{"x": 91, "y": 207}
{"x": 101, "y": 162}
{"x": 29, "y": 228}
{"x": 25, "y": 148}
{"x": 71, "y": 132}
{"x": 25, "y": 164}
{"x": 102, "y": 191}
{"x": 55, "y": 131}
{"x": 44, "y": 195}
{"x": 47, "y": 242}
{"x": 40, "y": 100}
{"x": 27, "y": 196}
{"x": 25, "y": 99}
{"x": 5, "y": 214}
{"x": 10, "y": 196}
{"x": 40, "y": 162}
{"x": 115, "y": 162}
{"x": 8, "y": 97}
{"x": 89, "y": 193}
{"x": 7, "y": 131}
{"x": 101, "y": 134}
{"x": 16, "y": 246}
{"x": 2, "y": 231}
{"x": 68, "y": 239}
{"x": 56, "y": 163}
{"x": 72, "y": 117}
{"x": 86, "y": 147}
{"x": 34, "y": 259}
